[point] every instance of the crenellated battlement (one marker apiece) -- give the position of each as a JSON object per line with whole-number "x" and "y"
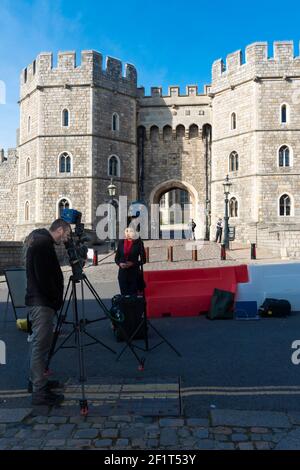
{"x": 173, "y": 91}
{"x": 257, "y": 64}
{"x": 41, "y": 72}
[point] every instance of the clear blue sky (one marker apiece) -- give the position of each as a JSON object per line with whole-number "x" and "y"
{"x": 170, "y": 42}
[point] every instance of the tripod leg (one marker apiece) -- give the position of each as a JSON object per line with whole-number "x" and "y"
{"x": 163, "y": 338}
{"x": 79, "y": 325}
{"x": 96, "y": 296}
{"x": 60, "y": 321}
{"x": 106, "y": 311}
{"x": 99, "y": 342}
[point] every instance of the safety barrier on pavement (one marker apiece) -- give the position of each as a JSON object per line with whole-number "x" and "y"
{"x": 278, "y": 281}
{"x": 188, "y": 292}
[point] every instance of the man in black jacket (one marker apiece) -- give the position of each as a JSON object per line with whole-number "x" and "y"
{"x": 44, "y": 296}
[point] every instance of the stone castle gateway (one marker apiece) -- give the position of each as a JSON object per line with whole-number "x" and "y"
{"x": 81, "y": 124}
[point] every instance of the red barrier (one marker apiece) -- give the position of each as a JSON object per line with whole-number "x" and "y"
{"x": 188, "y": 292}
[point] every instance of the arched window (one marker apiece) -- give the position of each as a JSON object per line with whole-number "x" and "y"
{"x": 113, "y": 166}
{"x": 29, "y": 125}
{"x": 285, "y": 205}
{"x": 65, "y": 163}
{"x": 284, "y": 113}
{"x": 26, "y": 211}
{"x": 193, "y": 131}
{"x": 233, "y": 207}
{"x": 233, "y": 161}
{"x": 154, "y": 134}
{"x": 284, "y": 156}
{"x": 65, "y": 118}
{"x": 233, "y": 121}
{"x": 63, "y": 204}
{"x": 180, "y": 132}
{"x": 167, "y": 133}
{"x": 115, "y": 122}
{"x": 28, "y": 167}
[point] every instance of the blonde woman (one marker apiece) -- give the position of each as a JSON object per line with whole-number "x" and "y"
{"x": 129, "y": 254}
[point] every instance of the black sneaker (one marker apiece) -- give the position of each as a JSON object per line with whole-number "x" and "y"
{"x": 46, "y": 398}
{"x": 51, "y": 384}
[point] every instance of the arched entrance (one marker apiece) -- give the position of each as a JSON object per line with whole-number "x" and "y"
{"x": 178, "y": 202}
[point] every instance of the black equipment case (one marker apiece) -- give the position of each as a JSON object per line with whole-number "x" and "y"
{"x": 275, "y": 308}
{"x": 129, "y": 310}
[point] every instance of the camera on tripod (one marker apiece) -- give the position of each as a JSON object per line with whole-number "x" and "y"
{"x": 75, "y": 246}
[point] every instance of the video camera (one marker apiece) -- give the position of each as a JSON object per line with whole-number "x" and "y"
{"x": 75, "y": 246}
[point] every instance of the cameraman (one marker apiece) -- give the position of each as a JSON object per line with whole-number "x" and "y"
{"x": 44, "y": 295}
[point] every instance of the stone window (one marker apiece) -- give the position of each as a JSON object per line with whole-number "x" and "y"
{"x": 284, "y": 156}
{"x": 285, "y": 205}
{"x": 25, "y": 75}
{"x": 233, "y": 161}
{"x": 26, "y": 211}
{"x": 65, "y": 118}
{"x": 63, "y": 204}
{"x": 115, "y": 122}
{"x": 233, "y": 121}
{"x": 28, "y": 167}
{"x": 233, "y": 207}
{"x": 284, "y": 113}
{"x": 167, "y": 133}
{"x": 180, "y": 132}
{"x": 154, "y": 134}
{"x": 65, "y": 163}
{"x": 113, "y": 166}
{"x": 34, "y": 67}
{"x": 29, "y": 125}
{"x": 193, "y": 131}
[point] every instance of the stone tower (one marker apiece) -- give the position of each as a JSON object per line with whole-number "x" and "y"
{"x": 73, "y": 119}
{"x": 256, "y": 125}
{"x": 174, "y": 146}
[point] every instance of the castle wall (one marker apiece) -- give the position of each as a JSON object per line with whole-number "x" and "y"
{"x": 107, "y": 142}
{"x": 255, "y": 90}
{"x": 8, "y": 195}
{"x": 91, "y": 94}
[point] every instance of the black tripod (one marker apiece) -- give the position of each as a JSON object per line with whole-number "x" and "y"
{"x": 79, "y": 324}
{"x": 145, "y": 323}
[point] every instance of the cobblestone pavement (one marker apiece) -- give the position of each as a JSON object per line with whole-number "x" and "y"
{"x": 220, "y": 430}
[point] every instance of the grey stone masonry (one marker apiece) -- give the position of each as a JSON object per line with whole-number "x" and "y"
{"x": 84, "y": 121}
{"x": 220, "y": 430}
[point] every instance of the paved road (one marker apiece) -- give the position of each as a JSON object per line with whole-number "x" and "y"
{"x": 224, "y": 364}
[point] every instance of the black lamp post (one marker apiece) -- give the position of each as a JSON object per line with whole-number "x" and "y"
{"x": 207, "y": 219}
{"x": 227, "y": 184}
{"x": 112, "y": 189}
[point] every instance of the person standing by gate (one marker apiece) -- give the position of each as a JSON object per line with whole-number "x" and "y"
{"x": 219, "y": 228}
{"x": 192, "y": 226}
